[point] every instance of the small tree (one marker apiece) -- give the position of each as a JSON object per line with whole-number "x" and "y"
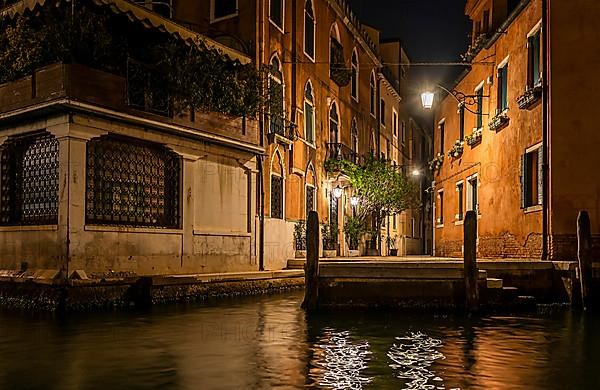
{"x": 354, "y": 228}
{"x": 383, "y": 191}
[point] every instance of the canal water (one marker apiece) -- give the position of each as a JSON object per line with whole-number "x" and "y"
{"x": 267, "y": 342}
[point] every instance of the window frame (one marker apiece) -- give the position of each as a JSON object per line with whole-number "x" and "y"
{"x": 479, "y": 112}
{"x": 373, "y": 94}
{"x": 314, "y": 31}
{"x": 502, "y": 88}
{"x": 334, "y": 108}
{"x": 214, "y": 19}
{"x": 274, "y": 22}
{"x": 355, "y": 78}
{"x": 532, "y": 36}
{"x": 311, "y": 104}
{"x": 439, "y": 221}
{"x": 470, "y": 204}
{"x": 460, "y": 191}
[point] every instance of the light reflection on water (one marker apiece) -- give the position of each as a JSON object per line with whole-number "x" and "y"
{"x": 412, "y": 357}
{"x": 268, "y": 342}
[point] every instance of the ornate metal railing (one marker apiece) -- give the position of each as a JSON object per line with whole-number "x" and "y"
{"x": 29, "y": 180}
{"x": 132, "y": 183}
{"x": 338, "y": 151}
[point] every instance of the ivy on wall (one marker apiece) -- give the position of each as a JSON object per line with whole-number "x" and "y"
{"x": 193, "y": 75}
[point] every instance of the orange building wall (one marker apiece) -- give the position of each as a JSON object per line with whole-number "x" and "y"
{"x": 504, "y": 229}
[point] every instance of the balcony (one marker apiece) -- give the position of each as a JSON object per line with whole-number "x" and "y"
{"x": 338, "y": 151}
{"x": 281, "y": 130}
{"x": 60, "y": 87}
{"x": 338, "y": 71}
{"x": 530, "y": 97}
{"x": 478, "y": 43}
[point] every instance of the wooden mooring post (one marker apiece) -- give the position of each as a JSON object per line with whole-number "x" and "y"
{"x": 584, "y": 255}
{"x": 311, "y": 269}
{"x": 470, "y": 259}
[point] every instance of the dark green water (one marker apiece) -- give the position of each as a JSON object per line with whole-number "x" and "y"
{"x": 267, "y": 342}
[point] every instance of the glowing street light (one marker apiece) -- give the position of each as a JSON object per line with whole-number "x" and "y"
{"x": 354, "y": 200}
{"x": 416, "y": 172}
{"x": 427, "y": 99}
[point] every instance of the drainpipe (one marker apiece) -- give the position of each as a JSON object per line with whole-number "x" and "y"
{"x": 261, "y": 213}
{"x": 545, "y": 130}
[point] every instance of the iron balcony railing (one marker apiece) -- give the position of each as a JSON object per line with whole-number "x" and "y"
{"x": 338, "y": 151}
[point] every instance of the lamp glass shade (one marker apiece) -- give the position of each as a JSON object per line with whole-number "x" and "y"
{"x": 416, "y": 172}
{"x": 427, "y": 99}
{"x": 337, "y": 192}
{"x": 354, "y": 200}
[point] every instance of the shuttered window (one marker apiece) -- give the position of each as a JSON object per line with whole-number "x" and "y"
{"x": 503, "y": 88}
{"x": 533, "y": 48}
{"x": 532, "y": 193}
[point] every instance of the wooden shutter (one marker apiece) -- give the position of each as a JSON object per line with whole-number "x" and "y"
{"x": 540, "y": 176}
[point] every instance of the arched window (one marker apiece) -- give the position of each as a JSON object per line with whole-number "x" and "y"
{"x": 337, "y": 66}
{"x": 354, "y": 141}
{"x": 29, "y": 180}
{"x": 354, "y": 76}
{"x": 276, "y": 103}
{"x": 333, "y": 124}
{"x": 311, "y": 192}
{"x": 277, "y": 186}
{"x": 309, "y": 30}
{"x": 373, "y": 94}
{"x": 309, "y": 113}
{"x": 132, "y": 182}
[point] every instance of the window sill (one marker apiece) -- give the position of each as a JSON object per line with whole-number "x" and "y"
{"x": 278, "y": 27}
{"x": 532, "y": 209}
{"x": 309, "y": 56}
{"x": 29, "y": 228}
{"x": 458, "y": 223}
{"x": 221, "y": 18}
{"x": 126, "y": 229}
{"x": 439, "y": 226}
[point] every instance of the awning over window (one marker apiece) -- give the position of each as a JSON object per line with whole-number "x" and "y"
{"x": 136, "y": 13}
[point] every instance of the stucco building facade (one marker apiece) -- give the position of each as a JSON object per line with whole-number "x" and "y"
{"x": 326, "y": 113}
{"x": 509, "y": 151}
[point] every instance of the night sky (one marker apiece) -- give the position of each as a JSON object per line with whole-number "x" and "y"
{"x": 431, "y": 31}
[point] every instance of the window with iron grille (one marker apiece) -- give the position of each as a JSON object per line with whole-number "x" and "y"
{"x": 276, "y": 197}
{"x": 132, "y": 183}
{"x": 310, "y": 199}
{"x": 29, "y": 180}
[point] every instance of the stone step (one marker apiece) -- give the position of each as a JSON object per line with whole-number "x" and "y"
{"x": 494, "y": 283}
{"x": 296, "y": 263}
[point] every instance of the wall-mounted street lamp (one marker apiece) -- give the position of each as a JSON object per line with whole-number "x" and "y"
{"x": 427, "y": 99}
{"x": 337, "y": 192}
{"x": 354, "y": 200}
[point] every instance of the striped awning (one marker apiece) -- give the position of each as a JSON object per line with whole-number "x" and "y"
{"x": 135, "y": 13}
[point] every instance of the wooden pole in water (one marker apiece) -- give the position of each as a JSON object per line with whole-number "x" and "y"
{"x": 470, "y": 257}
{"x": 584, "y": 249}
{"x": 311, "y": 269}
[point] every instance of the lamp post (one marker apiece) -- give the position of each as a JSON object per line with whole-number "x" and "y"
{"x": 428, "y": 97}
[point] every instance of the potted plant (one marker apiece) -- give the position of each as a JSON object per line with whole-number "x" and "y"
{"x": 329, "y": 235}
{"x": 300, "y": 239}
{"x": 353, "y": 230}
{"x": 457, "y": 149}
{"x": 391, "y": 243}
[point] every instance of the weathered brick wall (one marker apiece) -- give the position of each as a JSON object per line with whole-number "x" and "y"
{"x": 503, "y": 246}
{"x": 507, "y": 245}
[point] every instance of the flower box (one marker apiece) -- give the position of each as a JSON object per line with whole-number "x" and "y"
{"x": 457, "y": 149}
{"x": 474, "y": 138}
{"x": 530, "y": 96}
{"x": 436, "y": 163}
{"x": 499, "y": 121}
